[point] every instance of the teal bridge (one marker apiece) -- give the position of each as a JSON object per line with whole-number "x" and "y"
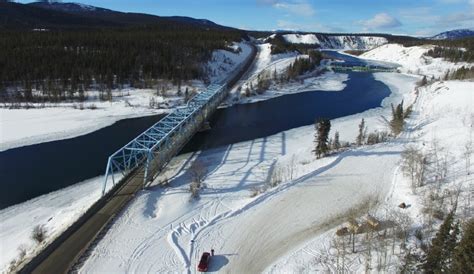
{"x": 153, "y": 148}
{"x": 368, "y": 68}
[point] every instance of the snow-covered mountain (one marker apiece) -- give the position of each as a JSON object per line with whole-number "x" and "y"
{"x": 68, "y": 7}
{"x": 454, "y": 34}
{"x": 337, "y": 41}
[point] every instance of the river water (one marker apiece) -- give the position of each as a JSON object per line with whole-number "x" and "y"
{"x": 30, "y": 171}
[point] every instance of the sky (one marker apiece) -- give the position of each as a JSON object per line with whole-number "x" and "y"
{"x": 410, "y": 17}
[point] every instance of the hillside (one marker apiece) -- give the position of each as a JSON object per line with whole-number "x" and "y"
{"x": 336, "y": 41}
{"x": 57, "y": 15}
{"x": 454, "y": 34}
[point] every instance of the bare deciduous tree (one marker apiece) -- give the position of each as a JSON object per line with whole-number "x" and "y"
{"x": 39, "y": 233}
{"x": 414, "y": 166}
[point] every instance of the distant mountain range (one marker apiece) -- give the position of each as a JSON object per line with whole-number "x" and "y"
{"x": 454, "y": 34}
{"x": 57, "y": 15}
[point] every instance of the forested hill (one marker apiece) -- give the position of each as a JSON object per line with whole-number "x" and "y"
{"x": 84, "y": 51}
{"x": 55, "y": 15}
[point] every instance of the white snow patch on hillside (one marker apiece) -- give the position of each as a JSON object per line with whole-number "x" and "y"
{"x": 337, "y": 42}
{"x": 224, "y": 62}
{"x": 413, "y": 60}
{"x": 301, "y": 38}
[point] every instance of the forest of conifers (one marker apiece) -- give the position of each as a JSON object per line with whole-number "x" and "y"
{"x": 60, "y": 63}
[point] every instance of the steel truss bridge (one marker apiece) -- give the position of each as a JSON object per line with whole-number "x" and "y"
{"x": 158, "y": 144}
{"x": 368, "y": 68}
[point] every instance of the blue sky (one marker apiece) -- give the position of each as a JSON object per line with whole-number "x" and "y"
{"x": 413, "y": 17}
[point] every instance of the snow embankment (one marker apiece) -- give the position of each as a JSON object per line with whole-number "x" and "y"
{"x": 413, "y": 60}
{"x": 55, "y": 211}
{"x": 224, "y": 62}
{"x": 21, "y": 127}
{"x": 250, "y": 230}
{"x": 347, "y": 42}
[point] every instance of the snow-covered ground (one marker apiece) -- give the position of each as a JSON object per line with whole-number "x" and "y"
{"x": 250, "y": 232}
{"x": 255, "y": 228}
{"x": 346, "y": 42}
{"x": 55, "y": 211}
{"x": 328, "y": 81}
{"x": 413, "y": 60}
{"x": 20, "y": 127}
{"x": 442, "y": 114}
{"x": 281, "y": 229}
{"x": 266, "y": 65}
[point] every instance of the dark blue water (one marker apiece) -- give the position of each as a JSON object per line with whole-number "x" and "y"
{"x": 30, "y": 171}
{"x": 249, "y": 121}
{"x": 354, "y": 61}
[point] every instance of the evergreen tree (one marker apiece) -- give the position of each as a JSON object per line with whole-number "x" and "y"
{"x": 337, "y": 143}
{"x": 397, "y": 122}
{"x": 362, "y": 132}
{"x": 463, "y": 258}
{"x": 322, "y": 126}
{"x": 440, "y": 252}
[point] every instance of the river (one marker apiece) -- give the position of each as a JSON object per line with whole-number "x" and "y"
{"x": 30, "y": 171}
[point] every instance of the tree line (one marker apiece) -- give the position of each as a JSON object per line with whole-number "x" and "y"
{"x": 60, "y": 63}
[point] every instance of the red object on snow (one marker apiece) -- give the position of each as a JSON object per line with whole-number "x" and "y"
{"x": 204, "y": 262}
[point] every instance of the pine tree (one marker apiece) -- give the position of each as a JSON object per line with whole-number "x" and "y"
{"x": 441, "y": 250}
{"x": 397, "y": 122}
{"x": 362, "y": 132}
{"x": 463, "y": 261}
{"x": 337, "y": 143}
{"x": 322, "y": 126}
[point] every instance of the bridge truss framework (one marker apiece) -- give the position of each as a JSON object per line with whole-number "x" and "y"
{"x": 152, "y": 149}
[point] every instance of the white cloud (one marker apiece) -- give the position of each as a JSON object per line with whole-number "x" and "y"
{"x": 309, "y": 26}
{"x": 298, "y": 7}
{"x": 301, "y": 8}
{"x": 381, "y": 21}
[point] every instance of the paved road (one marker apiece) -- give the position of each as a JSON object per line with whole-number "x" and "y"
{"x": 62, "y": 258}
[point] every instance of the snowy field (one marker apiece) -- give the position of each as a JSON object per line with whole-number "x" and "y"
{"x": 21, "y": 127}
{"x": 249, "y": 230}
